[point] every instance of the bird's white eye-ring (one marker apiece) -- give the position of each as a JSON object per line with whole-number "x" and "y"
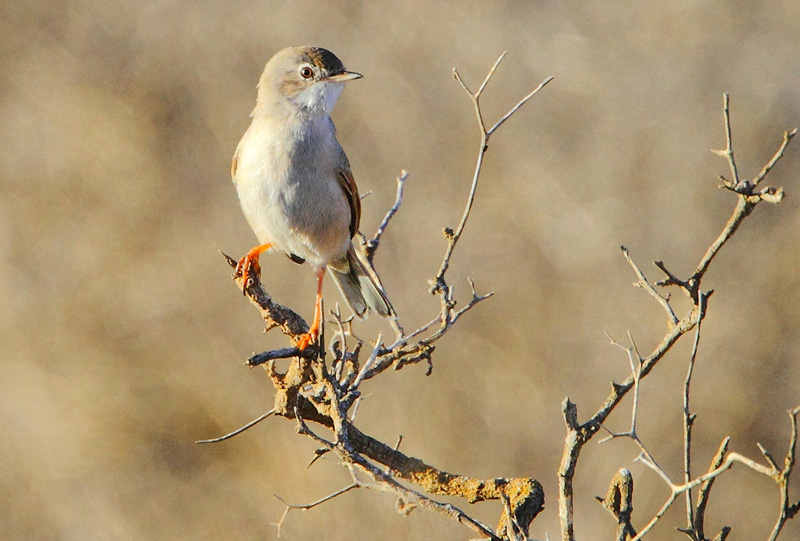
{"x": 306, "y": 72}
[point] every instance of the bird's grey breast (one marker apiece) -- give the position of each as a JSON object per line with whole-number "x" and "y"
{"x": 313, "y": 196}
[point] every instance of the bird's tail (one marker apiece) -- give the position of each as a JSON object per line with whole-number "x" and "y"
{"x": 360, "y": 290}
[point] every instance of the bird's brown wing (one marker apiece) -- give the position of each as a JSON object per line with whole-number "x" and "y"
{"x": 235, "y": 165}
{"x": 348, "y": 184}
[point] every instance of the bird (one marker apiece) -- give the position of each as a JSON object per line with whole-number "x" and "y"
{"x": 294, "y": 181}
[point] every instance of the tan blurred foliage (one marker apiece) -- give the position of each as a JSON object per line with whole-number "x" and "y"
{"x": 122, "y": 335}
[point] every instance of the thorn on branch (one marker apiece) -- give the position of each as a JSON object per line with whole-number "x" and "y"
{"x": 318, "y": 453}
{"x": 403, "y": 506}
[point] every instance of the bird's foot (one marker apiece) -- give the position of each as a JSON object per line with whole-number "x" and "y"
{"x": 306, "y": 340}
{"x": 248, "y": 267}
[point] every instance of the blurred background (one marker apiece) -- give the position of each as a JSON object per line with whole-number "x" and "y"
{"x": 123, "y": 335}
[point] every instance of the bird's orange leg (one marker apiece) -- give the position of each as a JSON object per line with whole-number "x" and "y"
{"x": 249, "y": 264}
{"x": 313, "y": 332}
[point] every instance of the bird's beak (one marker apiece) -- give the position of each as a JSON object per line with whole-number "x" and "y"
{"x": 345, "y": 76}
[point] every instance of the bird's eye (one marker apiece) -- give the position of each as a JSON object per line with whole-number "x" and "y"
{"x": 306, "y": 72}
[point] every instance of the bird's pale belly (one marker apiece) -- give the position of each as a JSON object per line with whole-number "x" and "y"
{"x": 311, "y": 233}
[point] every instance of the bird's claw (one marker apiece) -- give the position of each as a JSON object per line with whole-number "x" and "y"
{"x": 247, "y": 266}
{"x": 305, "y": 340}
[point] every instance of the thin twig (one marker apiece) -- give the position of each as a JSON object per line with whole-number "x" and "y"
{"x": 372, "y": 244}
{"x": 788, "y": 510}
{"x": 645, "y": 284}
{"x": 308, "y": 506}
{"x": 728, "y": 152}
{"x": 657, "y": 517}
{"x": 283, "y": 353}
{"x": 367, "y": 365}
{"x": 239, "y": 430}
{"x": 705, "y": 490}
{"x": 636, "y": 371}
{"x": 305, "y": 507}
{"x": 688, "y": 421}
{"x": 787, "y": 136}
{"x": 518, "y": 105}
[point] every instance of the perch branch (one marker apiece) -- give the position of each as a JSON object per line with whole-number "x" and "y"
{"x": 313, "y": 390}
{"x": 274, "y": 315}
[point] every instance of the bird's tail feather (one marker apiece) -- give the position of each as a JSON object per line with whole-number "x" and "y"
{"x": 359, "y": 289}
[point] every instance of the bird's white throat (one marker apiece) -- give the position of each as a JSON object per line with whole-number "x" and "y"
{"x": 319, "y": 98}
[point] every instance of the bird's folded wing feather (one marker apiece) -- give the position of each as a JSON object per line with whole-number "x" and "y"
{"x": 348, "y": 184}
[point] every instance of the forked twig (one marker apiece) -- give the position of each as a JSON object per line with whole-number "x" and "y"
{"x": 453, "y": 236}
{"x": 308, "y": 506}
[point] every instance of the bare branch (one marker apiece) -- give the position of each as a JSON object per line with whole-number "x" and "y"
{"x": 284, "y": 353}
{"x": 657, "y": 517}
{"x": 578, "y": 434}
{"x": 311, "y": 505}
{"x": 788, "y": 510}
{"x": 274, "y": 315}
{"x": 489, "y": 75}
{"x": 387, "y": 482}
